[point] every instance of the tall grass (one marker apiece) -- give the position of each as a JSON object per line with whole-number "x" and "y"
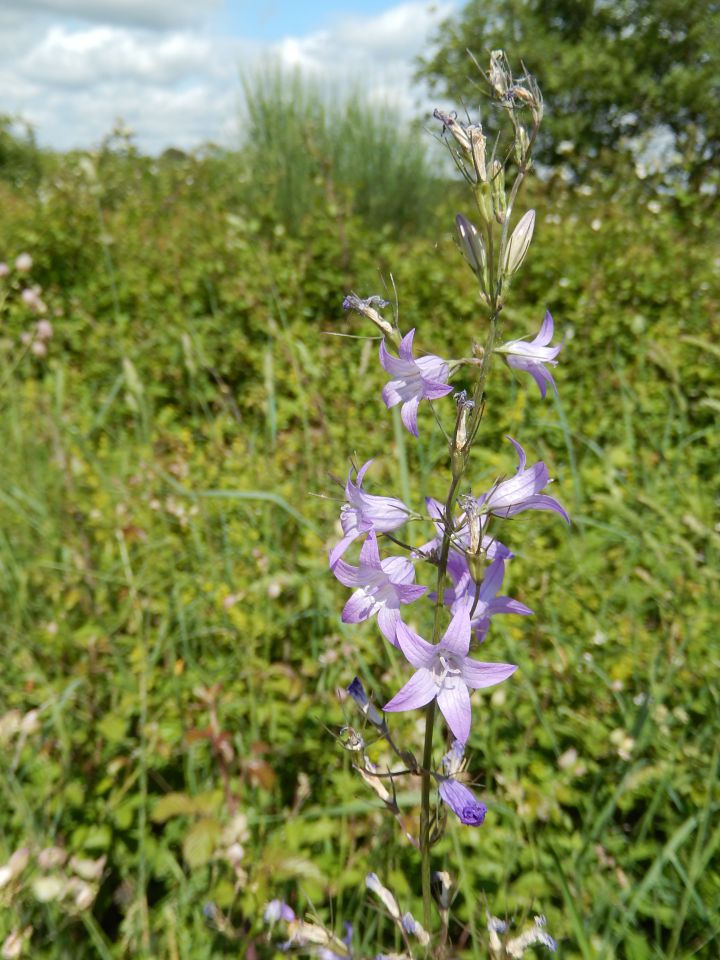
{"x": 307, "y": 146}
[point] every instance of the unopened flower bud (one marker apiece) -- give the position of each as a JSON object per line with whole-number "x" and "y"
{"x": 478, "y": 142}
{"x": 461, "y": 439}
{"x": 497, "y": 186}
{"x": 518, "y": 244}
{"x": 23, "y": 263}
{"x": 522, "y": 144}
{"x": 473, "y": 249}
{"x": 357, "y": 692}
{"x": 464, "y": 406}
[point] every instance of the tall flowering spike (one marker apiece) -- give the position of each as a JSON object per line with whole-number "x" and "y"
{"x": 445, "y": 672}
{"x": 413, "y": 380}
{"x": 521, "y": 492}
{"x": 382, "y": 585}
{"x": 533, "y": 356}
{"x": 364, "y": 512}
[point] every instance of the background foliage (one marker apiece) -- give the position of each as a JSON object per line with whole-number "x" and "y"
{"x": 171, "y": 636}
{"x": 614, "y": 73}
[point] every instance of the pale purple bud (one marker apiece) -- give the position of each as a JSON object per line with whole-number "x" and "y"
{"x": 518, "y": 244}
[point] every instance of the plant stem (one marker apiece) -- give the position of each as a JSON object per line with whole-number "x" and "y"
{"x": 448, "y": 529}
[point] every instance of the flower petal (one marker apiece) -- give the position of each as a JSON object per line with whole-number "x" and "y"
{"x": 457, "y": 636}
{"x": 396, "y": 367}
{"x": 477, "y": 675}
{"x": 539, "y": 501}
{"x": 341, "y": 547}
{"x": 388, "y": 620}
{"x": 406, "y": 347}
{"x": 417, "y": 692}
{"x": 369, "y": 554}
{"x": 409, "y": 414}
{"x": 493, "y": 579}
{"x": 348, "y": 575}
{"x": 454, "y": 703}
{"x": 417, "y": 651}
{"x": 359, "y": 607}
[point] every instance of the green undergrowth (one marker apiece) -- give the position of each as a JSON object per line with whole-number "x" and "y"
{"x": 169, "y": 491}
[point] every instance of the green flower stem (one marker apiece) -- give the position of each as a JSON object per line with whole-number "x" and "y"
{"x": 425, "y": 871}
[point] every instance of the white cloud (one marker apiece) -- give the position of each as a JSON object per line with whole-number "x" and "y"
{"x": 141, "y": 13}
{"x": 91, "y": 57}
{"x": 180, "y": 86}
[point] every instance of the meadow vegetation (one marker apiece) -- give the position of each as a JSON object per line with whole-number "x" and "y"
{"x": 170, "y": 633}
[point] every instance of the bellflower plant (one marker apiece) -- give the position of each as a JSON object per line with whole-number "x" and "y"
{"x": 365, "y": 512}
{"x": 461, "y": 569}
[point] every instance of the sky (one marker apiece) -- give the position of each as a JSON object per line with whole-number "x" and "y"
{"x": 170, "y": 69}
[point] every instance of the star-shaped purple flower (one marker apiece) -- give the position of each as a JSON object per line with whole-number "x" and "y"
{"x": 462, "y": 594}
{"x": 521, "y": 492}
{"x": 364, "y": 512}
{"x": 533, "y": 356}
{"x": 382, "y": 585}
{"x": 446, "y": 672}
{"x": 414, "y": 380}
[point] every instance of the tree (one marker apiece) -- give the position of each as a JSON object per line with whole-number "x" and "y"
{"x": 613, "y": 72}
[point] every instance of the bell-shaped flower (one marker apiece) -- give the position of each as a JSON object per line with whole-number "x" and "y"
{"x": 533, "y": 356}
{"x": 521, "y": 492}
{"x": 462, "y": 801}
{"x": 364, "y": 512}
{"x": 488, "y": 604}
{"x": 445, "y": 672}
{"x": 413, "y": 380}
{"x": 382, "y": 585}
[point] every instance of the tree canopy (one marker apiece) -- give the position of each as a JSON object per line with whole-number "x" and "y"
{"x": 611, "y": 71}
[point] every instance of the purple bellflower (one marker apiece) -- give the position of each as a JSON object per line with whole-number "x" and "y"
{"x": 446, "y": 672}
{"x": 413, "y": 380}
{"x": 456, "y": 795}
{"x": 462, "y": 594}
{"x": 491, "y": 547}
{"x": 521, "y": 492}
{"x": 364, "y": 512}
{"x": 534, "y": 355}
{"x": 382, "y": 585}
{"x": 462, "y": 801}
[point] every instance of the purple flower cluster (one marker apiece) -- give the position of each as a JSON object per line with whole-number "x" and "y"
{"x": 475, "y": 559}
